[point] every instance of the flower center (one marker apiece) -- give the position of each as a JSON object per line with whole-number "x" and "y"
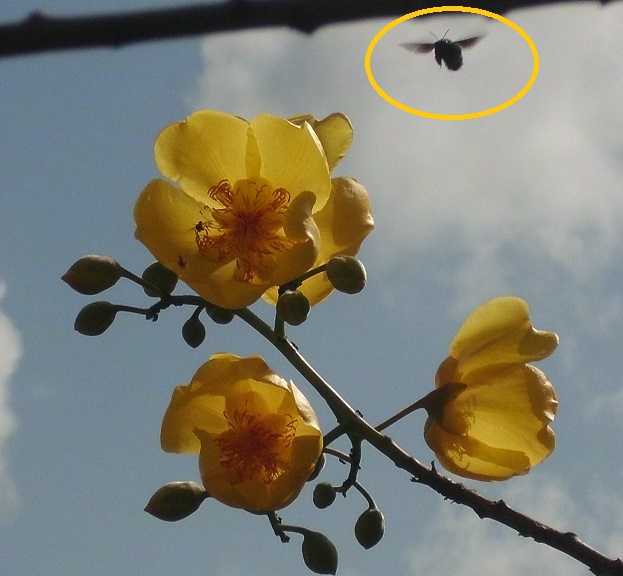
{"x": 248, "y": 228}
{"x": 256, "y": 446}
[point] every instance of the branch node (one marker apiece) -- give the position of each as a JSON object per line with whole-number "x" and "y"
{"x": 38, "y": 17}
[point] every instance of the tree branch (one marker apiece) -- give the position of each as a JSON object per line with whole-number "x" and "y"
{"x": 566, "y": 542}
{"x": 42, "y": 32}
{"x": 350, "y": 421}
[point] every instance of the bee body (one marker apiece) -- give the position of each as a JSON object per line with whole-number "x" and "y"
{"x": 446, "y": 51}
{"x": 449, "y": 53}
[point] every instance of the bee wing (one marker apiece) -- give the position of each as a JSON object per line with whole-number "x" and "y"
{"x": 418, "y": 47}
{"x": 468, "y": 42}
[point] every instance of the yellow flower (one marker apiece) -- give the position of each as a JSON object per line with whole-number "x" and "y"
{"x": 243, "y": 219}
{"x": 257, "y": 436}
{"x": 488, "y": 418}
{"x": 346, "y": 219}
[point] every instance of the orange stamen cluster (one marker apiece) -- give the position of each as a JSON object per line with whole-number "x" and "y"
{"x": 248, "y": 228}
{"x": 254, "y": 448}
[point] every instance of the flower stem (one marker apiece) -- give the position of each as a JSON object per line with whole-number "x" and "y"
{"x": 365, "y": 494}
{"x": 294, "y": 284}
{"x": 143, "y": 283}
{"x": 400, "y": 415}
{"x": 342, "y": 410}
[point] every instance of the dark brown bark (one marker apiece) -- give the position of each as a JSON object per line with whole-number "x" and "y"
{"x": 42, "y": 32}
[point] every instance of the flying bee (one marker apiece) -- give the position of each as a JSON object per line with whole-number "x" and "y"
{"x": 446, "y": 50}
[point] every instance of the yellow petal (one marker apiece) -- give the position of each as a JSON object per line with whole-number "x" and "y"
{"x": 296, "y": 402}
{"x": 201, "y": 403}
{"x": 292, "y": 157}
{"x": 468, "y": 457}
{"x": 510, "y": 406}
{"x": 300, "y": 226}
{"x": 165, "y": 219}
{"x": 252, "y": 400}
{"x": 207, "y": 147}
{"x": 343, "y": 223}
{"x": 500, "y": 331}
{"x": 255, "y": 494}
{"x": 498, "y": 426}
{"x": 447, "y": 372}
{"x": 335, "y": 133}
{"x": 222, "y": 289}
{"x": 346, "y": 219}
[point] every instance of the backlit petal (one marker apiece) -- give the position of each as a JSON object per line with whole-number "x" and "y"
{"x": 500, "y": 420}
{"x": 244, "y": 219}
{"x": 165, "y": 218}
{"x": 335, "y": 133}
{"x": 346, "y": 218}
{"x": 199, "y": 152}
{"x": 292, "y": 157}
{"x": 500, "y": 331}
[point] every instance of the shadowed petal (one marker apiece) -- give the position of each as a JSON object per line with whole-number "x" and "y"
{"x": 343, "y": 223}
{"x": 257, "y": 436}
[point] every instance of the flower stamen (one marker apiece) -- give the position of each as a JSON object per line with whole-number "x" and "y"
{"x": 248, "y": 228}
{"x": 255, "y": 447}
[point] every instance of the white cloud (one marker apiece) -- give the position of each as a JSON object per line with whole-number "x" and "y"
{"x": 10, "y": 353}
{"x": 526, "y": 200}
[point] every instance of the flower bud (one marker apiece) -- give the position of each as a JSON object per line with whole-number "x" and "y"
{"x": 219, "y": 315}
{"x": 324, "y": 495}
{"x": 319, "y": 553}
{"x": 346, "y": 274}
{"x": 176, "y": 500}
{"x": 193, "y": 332}
{"x": 95, "y": 318}
{"x": 160, "y": 277}
{"x": 370, "y": 527}
{"x": 92, "y": 274}
{"x": 322, "y": 459}
{"x": 293, "y": 307}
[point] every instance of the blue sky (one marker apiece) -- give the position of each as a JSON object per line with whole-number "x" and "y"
{"x": 525, "y": 202}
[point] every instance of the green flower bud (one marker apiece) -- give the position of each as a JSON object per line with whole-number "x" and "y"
{"x": 319, "y": 553}
{"x": 324, "y": 495}
{"x": 318, "y": 467}
{"x": 160, "y": 277}
{"x": 193, "y": 332}
{"x": 369, "y": 528}
{"x": 92, "y": 274}
{"x": 95, "y": 318}
{"x": 346, "y": 274}
{"x": 293, "y": 307}
{"x": 219, "y": 315}
{"x": 176, "y": 500}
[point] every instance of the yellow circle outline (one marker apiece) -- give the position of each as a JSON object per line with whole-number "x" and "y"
{"x": 470, "y": 115}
